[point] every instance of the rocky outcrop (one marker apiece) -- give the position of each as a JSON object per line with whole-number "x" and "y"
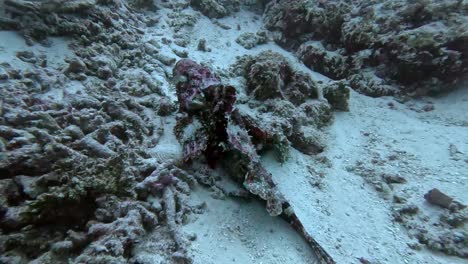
{"x": 216, "y": 8}
{"x": 418, "y": 47}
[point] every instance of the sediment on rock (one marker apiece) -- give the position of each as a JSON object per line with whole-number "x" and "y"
{"x": 287, "y": 109}
{"x": 251, "y": 40}
{"x": 216, "y": 8}
{"x": 414, "y": 46}
{"x": 73, "y": 198}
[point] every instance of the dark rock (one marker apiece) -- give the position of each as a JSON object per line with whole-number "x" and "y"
{"x": 269, "y": 75}
{"x": 310, "y": 143}
{"x": 202, "y": 45}
{"x": 143, "y": 4}
{"x": 26, "y": 56}
{"x": 364, "y": 261}
{"x": 337, "y": 95}
{"x": 104, "y": 72}
{"x": 410, "y": 209}
{"x": 399, "y": 199}
{"x": 62, "y": 247}
{"x": 390, "y": 178}
{"x": 439, "y": 198}
{"x": 400, "y": 213}
{"x": 181, "y": 53}
{"x": 414, "y": 246}
{"x": 3, "y": 74}
{"x": 166, "y": 107}
{"x": 166, "y": 60}
{"x": 9, "y": 192}
{"x": 428, "y": 108}
{"x": 13, "y": 218}
{"x": 216, "y": 8}
{"x": 457, "y": 219}
{"x": 329, "y": 63}
{"x": 416, "y": 48}
{"x": 76, "y": 65}
{"x": 29, "y": 186}
{"x": 181, "y": 258}
{"x": 250, "y": 40}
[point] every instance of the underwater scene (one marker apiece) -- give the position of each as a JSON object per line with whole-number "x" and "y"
{"x": 243, "y": 131}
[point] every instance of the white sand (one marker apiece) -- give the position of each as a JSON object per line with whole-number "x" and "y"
{"x": 236, "y": 231}
{"x": 347, "y": 217}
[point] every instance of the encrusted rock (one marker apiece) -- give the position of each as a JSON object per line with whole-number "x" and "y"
{"x": 329, "y": 63}
{"x": 143, "y": 4}
{"x": 89, "y": 144}
{"x": 269, "y": 75}
{"x": 76, "y": 65}
{"x": 216, "y": 8}
{"x": 3, "y": 74}
{"x": 295, "y": 18}
{"x": 439, "y": 198}
{"x": 104, "y": 72}
{"x": 29, "y": 185}
{"x": 310, "y": 142}
{"x": 337, "y": 95}
{"x": 202, "y": 45}
{"x": 416, "y": 48}
{"x": 368, "y": 83}
{"x": 250, "y": 40}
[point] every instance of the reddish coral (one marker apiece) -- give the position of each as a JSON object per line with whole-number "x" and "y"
{"x": 199, "y": 78}
{"x": 213, "y": 128}
{"x": 202, "y": 95}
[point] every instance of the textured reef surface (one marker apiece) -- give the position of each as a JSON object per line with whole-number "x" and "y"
{"x": 102, "y": 149}
{"x": 379, "y": 47}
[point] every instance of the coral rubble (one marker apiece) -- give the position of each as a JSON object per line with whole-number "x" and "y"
{"x": 291, "y": 107}
{"x": 216, "y": 8}
{"x": 251, "y": 40}
{"x": 419, "y": 46}
{"x": 75, "y": 141}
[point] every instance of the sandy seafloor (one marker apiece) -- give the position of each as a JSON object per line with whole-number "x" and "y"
{"x": 346, "y": 215}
